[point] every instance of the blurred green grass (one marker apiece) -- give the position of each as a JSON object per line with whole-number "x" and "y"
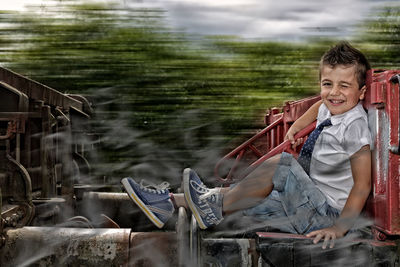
{"x": 165, "y": 100}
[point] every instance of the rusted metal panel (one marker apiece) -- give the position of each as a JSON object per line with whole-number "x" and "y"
{"x": 13, "y": 100}
{"x": 36, "y": 138}
{"x": 377, "y": 92}
{"x": 182, "y": 235}
{"x": 150, "y": 249}
{"x": 38, "y": 91}
{"x": 382, "y": 102}
{"x": 279, "y": 249}
{"x": 228, "y": 252}
{"x": 51, "y": 246}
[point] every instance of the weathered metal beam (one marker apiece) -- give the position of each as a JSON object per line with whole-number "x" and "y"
{"x": 182, "y": 235}
{"x": 51, "y": 246}
{"x": 148, "y": 249}
{"x": 93, "y": 204}
{"x": 37, "y": 91}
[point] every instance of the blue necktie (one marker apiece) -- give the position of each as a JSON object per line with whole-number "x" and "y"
{"x": 306, "y": 151}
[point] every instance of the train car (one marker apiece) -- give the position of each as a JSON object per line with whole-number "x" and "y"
{"x": 375, "y": 245}
{"x": 55, "y": 213}
{"x": 52, "y": 210}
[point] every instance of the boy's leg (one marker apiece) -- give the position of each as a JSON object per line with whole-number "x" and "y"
{"x": 157, "y": 205}
{"x": 252, "y": 189}
{"x": 246, "y": 194}
{"x": 208, "y": 205}
{"x": 179, "y": 198}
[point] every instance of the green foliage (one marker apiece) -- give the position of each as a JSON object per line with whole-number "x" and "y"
{"x": 380, "y": 36}
{"x": 165, "y": 101}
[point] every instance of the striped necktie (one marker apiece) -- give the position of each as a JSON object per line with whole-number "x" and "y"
{"x": 306, "y": 151}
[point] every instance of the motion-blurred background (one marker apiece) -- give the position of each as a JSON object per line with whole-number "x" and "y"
{"x": 179, "y": 83}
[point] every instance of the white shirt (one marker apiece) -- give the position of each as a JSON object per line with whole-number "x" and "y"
{"x": 330, "y": 162}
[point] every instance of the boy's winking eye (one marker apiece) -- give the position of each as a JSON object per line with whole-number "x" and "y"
{"x": 327, "y": 83}
{"x": 345, "y": 85}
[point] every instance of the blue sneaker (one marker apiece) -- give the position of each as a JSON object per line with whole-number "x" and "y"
{"x": 155, "y": 203}
{"x": 205, "y": 203}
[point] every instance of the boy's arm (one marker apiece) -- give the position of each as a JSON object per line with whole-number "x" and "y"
{"x": 355, "y": 202}
{"x": 308, "y": 117}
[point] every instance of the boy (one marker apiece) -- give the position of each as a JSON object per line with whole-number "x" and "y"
{"x": 320, "y": 194}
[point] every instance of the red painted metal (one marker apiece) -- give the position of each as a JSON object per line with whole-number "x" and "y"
{"x": 284, "y": 146}
{"x": 382, "y": 102}
{"x": 283, "y": 236}
{"x": 265, "y": 144}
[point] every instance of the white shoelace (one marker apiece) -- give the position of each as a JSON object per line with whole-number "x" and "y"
{"x": 205, "y": 192}
{"x": 200, "y": 188}
{"x": 212, "y": 194}
{"x": 153, "y": 188}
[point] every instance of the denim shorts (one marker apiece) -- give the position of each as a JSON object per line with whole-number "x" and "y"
{"x": 295, "y": 205}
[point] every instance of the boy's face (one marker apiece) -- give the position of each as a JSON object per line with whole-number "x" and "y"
{"x": 339, "y": 88}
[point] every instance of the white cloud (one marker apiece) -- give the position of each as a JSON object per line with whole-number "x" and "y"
{"x": 265, "y": 18}
{"x": 18, "y": 4}
{"x": 274, "y": 19}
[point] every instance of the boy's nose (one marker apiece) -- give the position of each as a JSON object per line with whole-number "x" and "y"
{"x": 335, "y": 90}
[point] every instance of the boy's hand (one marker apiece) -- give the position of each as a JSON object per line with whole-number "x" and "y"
{"x": 308, "y": 117}
{"x": 329, "y": 235}
{"x": 290, "y": 136}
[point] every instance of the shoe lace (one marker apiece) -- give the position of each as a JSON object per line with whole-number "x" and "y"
{"x": 209, "y": 194}
{"x": 199, "y": 187}
{"x": 154, "y": 188}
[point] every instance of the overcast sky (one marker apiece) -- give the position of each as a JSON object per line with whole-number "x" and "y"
{"x": 269, "y": 19}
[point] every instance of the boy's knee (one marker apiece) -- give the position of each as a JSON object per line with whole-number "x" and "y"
{"x": 275, "y": 159}
{"x": 269, "y": 165}
{"x": 271, "y": 162}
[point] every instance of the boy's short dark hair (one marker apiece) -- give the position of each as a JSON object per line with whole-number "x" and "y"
{"x": 344, "y": 54}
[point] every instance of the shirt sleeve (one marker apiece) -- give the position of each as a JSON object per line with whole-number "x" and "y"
{"x": 356, "y": 136}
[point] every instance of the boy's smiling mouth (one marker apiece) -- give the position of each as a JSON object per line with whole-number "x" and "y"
{"x": 336, "y": 101}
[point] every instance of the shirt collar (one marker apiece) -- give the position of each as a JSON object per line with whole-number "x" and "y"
{"x": 337, "y": 119}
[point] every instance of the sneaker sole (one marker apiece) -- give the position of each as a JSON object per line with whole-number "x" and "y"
{"x": 132, "y": 195}
{"x": 186, "y": 174}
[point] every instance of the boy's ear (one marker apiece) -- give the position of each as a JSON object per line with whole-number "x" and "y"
{"x": 363, "y": 89}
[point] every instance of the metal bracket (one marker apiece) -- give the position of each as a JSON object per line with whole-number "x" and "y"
{"x": 396, "y": 149}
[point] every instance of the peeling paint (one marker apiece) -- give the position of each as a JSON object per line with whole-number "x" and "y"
{"x": 244, "y": 250}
